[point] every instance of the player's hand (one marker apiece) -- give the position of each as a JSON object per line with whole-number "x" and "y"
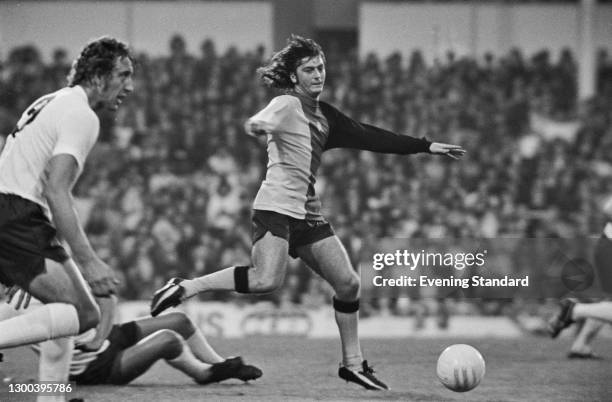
{"x": 452, "y": 151}
{"x": 23, "y": 300}
{"x": 100, "y": 278}
{"x": 88, "y": 341}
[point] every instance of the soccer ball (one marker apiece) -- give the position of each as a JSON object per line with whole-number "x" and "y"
{"x": 460, "y": 367}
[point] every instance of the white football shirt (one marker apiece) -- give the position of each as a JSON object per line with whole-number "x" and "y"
{"x": 58, "y": 123}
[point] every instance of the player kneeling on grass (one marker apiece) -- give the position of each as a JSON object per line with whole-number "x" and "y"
{"x": 592, "y": 315}
{"x": 128, "y": 350}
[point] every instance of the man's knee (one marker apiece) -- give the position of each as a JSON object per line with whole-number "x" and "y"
{"x": 180, "y": 323}
{"x": 171, "y": 343}
{"x": 348, "y": 287}
{"x": 63, "y": 283}
{"x": 265, "y": 283}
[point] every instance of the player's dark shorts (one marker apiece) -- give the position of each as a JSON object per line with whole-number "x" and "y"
{"x": 27, "y": 237}
{"x": 603, "y": 263}
{"x": 298, "y": 232}
{"x": 105, "y": 369}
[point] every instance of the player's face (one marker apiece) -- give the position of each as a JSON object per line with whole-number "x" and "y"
{"x": 118, "y": 85}
{"x": 309, "y": 77}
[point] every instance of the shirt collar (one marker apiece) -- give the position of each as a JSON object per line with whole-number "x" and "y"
{"x": 307, "y": 100}
{"x": 81, "y": 91}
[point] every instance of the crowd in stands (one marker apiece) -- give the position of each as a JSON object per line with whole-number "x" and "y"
{"x": 168, "y": 189}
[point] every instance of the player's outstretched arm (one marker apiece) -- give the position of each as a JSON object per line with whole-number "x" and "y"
{"x": 63, "y": 172}
{"x": 345, "y": 132}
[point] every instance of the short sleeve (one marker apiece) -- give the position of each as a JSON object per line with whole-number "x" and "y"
{"x": 273, "y": 117}
{"x": 77, "y": 132}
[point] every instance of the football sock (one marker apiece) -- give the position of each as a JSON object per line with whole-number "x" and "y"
{"x": 589, "y": 329}
{"x": 55, "y": 358}
{"x": 201, "y": 348}
{"x": 232, "y": 278}
{"x": 54, "y": 365}
{"x": 53, "y": 320}
{"x": 347, "y": 318}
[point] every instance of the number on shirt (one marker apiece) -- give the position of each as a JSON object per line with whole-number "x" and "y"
{"x": 31, "y": 113}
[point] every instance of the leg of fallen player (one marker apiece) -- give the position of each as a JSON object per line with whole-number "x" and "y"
{"x": 181, "y": 324}
{"x": 170, "y": 346}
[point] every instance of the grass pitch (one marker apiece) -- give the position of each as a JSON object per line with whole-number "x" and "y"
{"x": 298, "y": 369}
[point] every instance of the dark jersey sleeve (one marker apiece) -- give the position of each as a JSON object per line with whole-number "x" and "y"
{"x": 345, "y": 132}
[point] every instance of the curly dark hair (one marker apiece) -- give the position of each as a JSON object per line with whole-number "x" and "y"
{"x": 277, "y": 73}
{"x": 97, "y": 59}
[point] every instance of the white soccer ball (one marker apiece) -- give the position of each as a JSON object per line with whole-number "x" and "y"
{"x": 460, "y": 367}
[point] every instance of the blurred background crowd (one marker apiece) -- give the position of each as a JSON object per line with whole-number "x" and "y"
{"x": 168, "y": 189}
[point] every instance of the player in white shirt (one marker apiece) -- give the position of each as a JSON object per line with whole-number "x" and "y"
{"x": 591, "y": 315}
{"x": 39, "y": 164}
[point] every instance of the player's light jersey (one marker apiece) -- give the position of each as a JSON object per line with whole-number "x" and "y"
{"x": 299, "y": 129}
{"x": 297, "y": 132}
{"x": 58, "y": 123}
